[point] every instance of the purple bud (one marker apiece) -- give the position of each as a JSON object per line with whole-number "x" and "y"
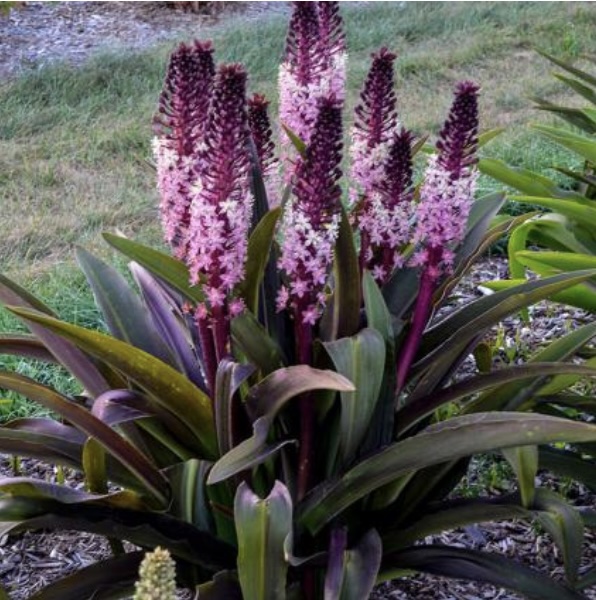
{"x": 260, "y": 128}
{"x": 302, "y": 39}
{"x": 185, "y": 96}
{"x": 375, "y": 115}
{"x": 458, "y": 139}
{"x": 332, "y": 39}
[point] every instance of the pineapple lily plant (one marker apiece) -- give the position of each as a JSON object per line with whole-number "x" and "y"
{"x": 268, "y": 404}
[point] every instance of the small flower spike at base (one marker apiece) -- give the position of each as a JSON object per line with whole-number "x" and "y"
{"x": 157, "y": 577}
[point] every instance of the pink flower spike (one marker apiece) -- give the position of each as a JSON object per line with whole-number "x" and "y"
{"x": 222, "y": 203}
{"x": 179, "y": 125}
{"x": 311, "y": 220}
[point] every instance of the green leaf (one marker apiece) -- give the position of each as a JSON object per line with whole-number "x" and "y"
{"x": 262, "y": 526}
{"x": 230, "y": 376}
{"x": 259, "y": 247}
{"x": 569, "y": 68}
{"x": 342, "y": 316}
{"x": 524, "y": 462}
{"x": 189, "y": 498}
{"x": 270, "y": 395}
{"x": 124, "y": 313}
{"x": 171, "y": 389}
{"x": 361, "y": 566}
{"x": 582, "y": 145}
{"x": 443, "y": 344}
{"x": 565, "y": 526}
{"x": 296, "y": 141}
{"x": 116, "y": 445}
{"x": 446, "y": 441}
{"x": 25, "y": 345}
{"x": 361, "y": 359}
{"x": 256, "y": 344}
{"x": 474, "y": 565}
{"x": 168, "y": 269}
{"x": 567, "y": 463}
{"x": 449, "y": 516}
{"x": 223, "y": 586}
{"x": 249, "y": 453}
{"x": 75, "y": 361}
{"x": 143, "y": 528}
{"x": 94, "y": 466}
{"x": 377, "y": 313}
{"x": 525, "y": 181}
{"x": 107, "y": 579}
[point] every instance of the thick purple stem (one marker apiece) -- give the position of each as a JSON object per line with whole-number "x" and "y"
{"x": 307, "y": 414}
{"x": 208, "y": 352}
{"x": 422, "y": 312}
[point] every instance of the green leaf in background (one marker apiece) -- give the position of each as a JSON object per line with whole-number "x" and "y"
{"x": 524, "y": 462}
{"x": 262, "y": 526}
{"x": 256, "y": 344}
{"x": 361, "y": 359}
{"x": 456, "y": 438}
{"x": 259, "y": 247}
{"x": 28, "y": 346}
{"x": 342, "y": 316}
{"x": 170, "y": 388}
{"x": 580, "y": 144}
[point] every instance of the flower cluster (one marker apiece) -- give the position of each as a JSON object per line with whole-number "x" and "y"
{"x": 180, "y": 125}
{"x": 381, "y": 172}
{"x": 314, "y": 67}
{"x": 448, "y": 189}
{"x": 221, "y": 199}
{"x": 311, "y": 219}
{"x": 157, "y": 577}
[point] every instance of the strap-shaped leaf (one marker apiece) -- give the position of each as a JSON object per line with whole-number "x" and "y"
{"x": 230, "y": 376}
{"x": 122, "y": 309}
{"x": 524, "y": 462}
{"x": 170, "y": 388}
{"x": 361, "y": 359}
{"x": 259, "y": 248}
{"x": 565, "y": 526}
{"x": 116, "y": 445}
{"x": 108, "y": 579}
{"x": 25, "y": 345}
{"x": 249, "y": 453}
{"x": 268, "y": 396}
{"x": 75, "y": 361}
{"x": 453, "y": 515}
{"x": 262, "y": 526}
{"x": 342, "y": 316}
{"x": 360, "y": 568}
{"x": 223, "y": 586}
{"x": 168, "y": 320}
{"x": 443, "y": 344}
{"x": 446, "y": 441}
{"x": 581, "y": 144}
{"x": 168, "y": 269}
{"x": 256, "y": 344}
{"x": 146, "y": 529}
{"x": 567, "y": 463}
{"x": 424, "y": 406}
{"x": 474, "y": 565}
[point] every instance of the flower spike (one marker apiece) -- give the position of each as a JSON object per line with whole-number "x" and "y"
{"x": 311, "y": 220}
{"x": 179, "y": 126}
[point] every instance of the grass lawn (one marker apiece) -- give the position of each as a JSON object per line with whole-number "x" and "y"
{"x": 75, "y": 143}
